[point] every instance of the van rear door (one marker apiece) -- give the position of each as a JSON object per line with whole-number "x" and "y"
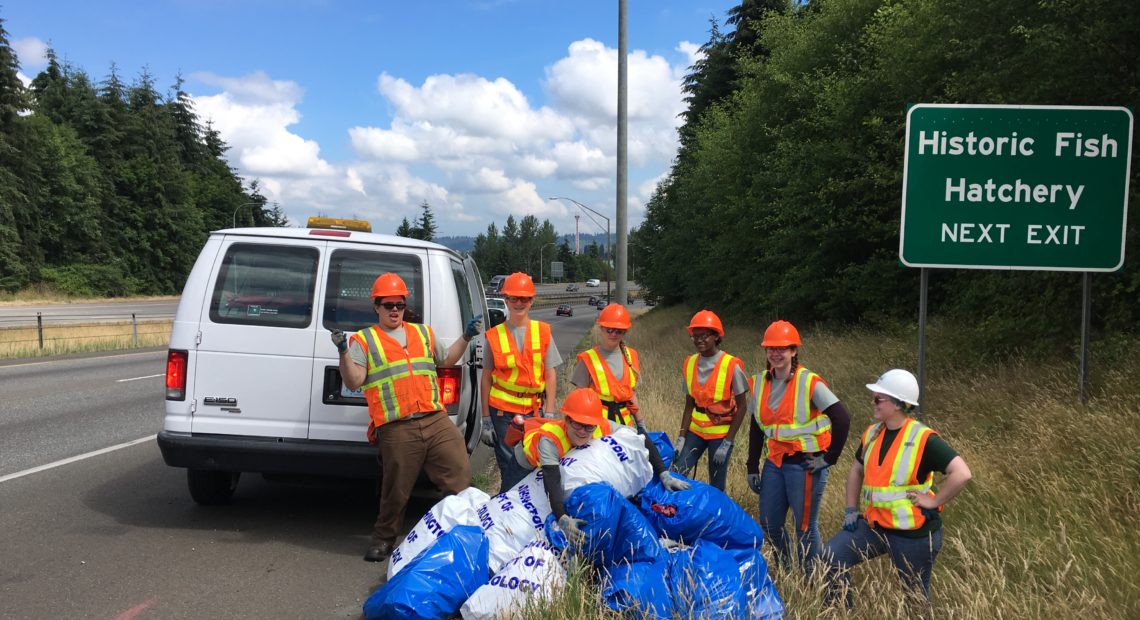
{"x": 253, "y": 363}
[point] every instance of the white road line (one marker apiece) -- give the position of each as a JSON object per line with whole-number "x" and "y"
{"x": 76, "y": 359}
{"x": 35, "y": 470}
{"x": 137, "y": 378}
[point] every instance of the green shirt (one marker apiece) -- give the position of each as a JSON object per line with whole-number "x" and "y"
{"x": 936, "y": 457}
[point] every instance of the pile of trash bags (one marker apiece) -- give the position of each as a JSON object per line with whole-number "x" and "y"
{"x": 692, "y": 553}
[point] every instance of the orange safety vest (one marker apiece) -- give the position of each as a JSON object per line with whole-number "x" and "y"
{"x": 555, "y": 430}
{"x": 796, "y": 425}
{"x": 715, "y": 403}
{"x": 519, "y": 378}
{"x": 885, "y": 486}
{"x": 616, "y": 395}
{"x": 401, "y": 381}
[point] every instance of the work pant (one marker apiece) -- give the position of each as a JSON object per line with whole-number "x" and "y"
{"x": 913, "y": 557}
{"x": 510, "y": 472}
{"x": 782, "y": 488}
{"x": 431, "y": 444}
{"x": 690, "y": 453}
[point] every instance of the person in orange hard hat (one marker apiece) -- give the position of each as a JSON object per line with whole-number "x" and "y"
{"x": 716, "y": 394}
{"x": 545, "y": 442}
{"x": 518, "y": 374}
{"x": 893, "y": 478}
{"x": 612, "y": 369}
{"x": 804, "y": 426}
{"x": 409, "y": 424}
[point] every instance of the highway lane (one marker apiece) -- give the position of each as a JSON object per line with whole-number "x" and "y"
{"x": 117, "y": 536}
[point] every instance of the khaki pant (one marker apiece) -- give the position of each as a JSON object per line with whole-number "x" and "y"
{"x": 431, "y": 444}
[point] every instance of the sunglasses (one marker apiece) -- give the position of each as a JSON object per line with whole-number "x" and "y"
{"x": 879, "y": 399}
{"x": 519, "y": 300}
{"x": 582, "y": 427}
{"x": 393, "y": 305}
{"x": 615, "y": 331}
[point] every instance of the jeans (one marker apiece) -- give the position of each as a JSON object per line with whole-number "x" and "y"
{"x": 782, "y": 488}
{"x": 690, "y": 453}
{"x": 913, "y": 557}
{"x": 510, "y": 472}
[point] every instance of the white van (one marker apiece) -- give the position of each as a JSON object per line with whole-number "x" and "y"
{"x": 593, "y": 282}
{"x": 252, "y": 381}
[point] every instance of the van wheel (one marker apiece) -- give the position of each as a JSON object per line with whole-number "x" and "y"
{"x": 210, "y": 487}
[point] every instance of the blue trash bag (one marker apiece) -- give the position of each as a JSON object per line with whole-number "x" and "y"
{"x": 764, "y": 602}
{"x": 640, "y": 589}
{"x": 664, "y": 446}
{"x": 706, "y": 583}
{"x": 437, "y": 582}
{"x": 703, "y": 512}
{"x": 615, "y": 530}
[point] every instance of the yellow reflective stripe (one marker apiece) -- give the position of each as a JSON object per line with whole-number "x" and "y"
{"x": 722, "y": 377}
{"x": 759, "y": 382}
{"x": 628, "y": 357}
{"x": 691, "y": 372}
{"x": 525, "y": 401}
{"x": 802, "y": 396}
{"x": 507, "y": 346}
{"x": 425, "y": 366}
{"x": 536, "y": 354}
{"x": 603, "y": 384}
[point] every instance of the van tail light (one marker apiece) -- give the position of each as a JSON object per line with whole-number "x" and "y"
{"x": 176, "y": 374}
{"x": 448, "y": 385}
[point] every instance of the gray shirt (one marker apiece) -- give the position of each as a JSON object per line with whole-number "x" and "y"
{"x": 614, "y": 359}
{"x": 553, "y": 358}
{"x": 705, "y": 367}
{"x": 821, "y": 396}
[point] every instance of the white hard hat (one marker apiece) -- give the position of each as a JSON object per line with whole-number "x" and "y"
{"x": 897, "y": 383}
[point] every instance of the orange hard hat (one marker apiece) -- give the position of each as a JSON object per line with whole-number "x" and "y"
{"x": 583, "y": 406}
{"x": 706, "y": 319}
{"x": 518, "y": 284}
{"x": 614, "y": 315}
{"x": 781, "y": 334}
{"x": 389, "y": 285}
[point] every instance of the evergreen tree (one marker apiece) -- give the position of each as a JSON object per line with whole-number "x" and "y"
{"x": 405, "y": 230}
{"x": 425, "y": 226}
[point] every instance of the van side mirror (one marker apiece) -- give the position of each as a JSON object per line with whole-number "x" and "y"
{"x": 495, "y": 316}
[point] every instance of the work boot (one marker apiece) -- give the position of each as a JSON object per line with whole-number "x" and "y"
{"x": 378, "y": 552}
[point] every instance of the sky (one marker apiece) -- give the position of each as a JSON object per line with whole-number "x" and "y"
{"x": 367, "y": 109}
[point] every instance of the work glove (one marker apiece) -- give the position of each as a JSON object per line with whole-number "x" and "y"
{"x": 680, "y": 441}
{"x": 340, "y": 339}
{"x": 573, "y": 529}
{"x": 850, "y": 519}
{"x": 547, "y": 415}
{"x": 672, "y": 483}
{"x": 816, "y": 463}
{"x": 721, "y": 454}
{"x": 754, "y": 483}
{"x": 641, "y": 430}
{"x": 474, "y": 327}
{"x": 488, "y": 437}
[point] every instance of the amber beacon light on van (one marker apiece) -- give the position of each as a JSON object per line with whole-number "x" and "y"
{"x": 336, "y": 223}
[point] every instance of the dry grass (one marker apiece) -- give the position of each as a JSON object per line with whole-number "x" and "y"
{"x": 1046, "y": 529}
{"x": 24, "y": 341}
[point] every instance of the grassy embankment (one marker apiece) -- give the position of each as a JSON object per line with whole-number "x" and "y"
{"x": 1047, "y": 528}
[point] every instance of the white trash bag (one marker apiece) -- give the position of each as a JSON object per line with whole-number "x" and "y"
{"x": 620, "y": 459}
{"x": 459, "y": 509}
{"x": 534, "y": 572}
{"x": 513, "y": 519}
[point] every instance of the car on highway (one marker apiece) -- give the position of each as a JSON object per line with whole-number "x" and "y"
{"x": 602, "y": 302}
{"x": 593, "y": 282}
{"x": 650, "y": 299}
{"x": 593, "y": 300}
{"x": 564, "y": 310}
{"x": 571, "y": 288}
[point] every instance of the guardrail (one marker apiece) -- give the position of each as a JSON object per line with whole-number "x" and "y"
{"x": 64, "y": 321}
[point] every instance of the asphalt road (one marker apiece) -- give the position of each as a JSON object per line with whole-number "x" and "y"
{"x": 116, "y": 535}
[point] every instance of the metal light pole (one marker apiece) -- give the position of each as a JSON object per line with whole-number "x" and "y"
{"x": 238, "y": 208}
{"x": 620, "y": 206}
{"x": 540, "y": 260}
{"x": 607, "y": 260}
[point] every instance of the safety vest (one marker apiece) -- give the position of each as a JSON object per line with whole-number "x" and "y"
{"x": 616, "y": 394}
{"x": 519, "y": 378}
{"x": 555, "y": 430}
{"x": 400, "y": 381}
{"x": 884, "y": 486}
{"x": 715, "y": 403}
{"x": 796, "y": 425}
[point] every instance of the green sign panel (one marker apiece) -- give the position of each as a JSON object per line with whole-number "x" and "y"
{"x": 1016, "y": 187}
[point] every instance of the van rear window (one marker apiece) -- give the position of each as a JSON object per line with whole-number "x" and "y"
{"x": 348, "y": 302}
{"x": 267, "y": 285}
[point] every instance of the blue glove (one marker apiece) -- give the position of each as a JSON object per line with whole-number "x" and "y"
{"x": 474, "y": 327}
{"x": 339, "y": 338}
{"x": 722, "y": 453}
{"x": 850, "y": 519}
{"x": 754, "y": 483}
{"x": 816, "y": 463}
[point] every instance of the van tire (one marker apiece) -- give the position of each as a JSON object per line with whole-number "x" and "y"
{"x": 210, "y": 487}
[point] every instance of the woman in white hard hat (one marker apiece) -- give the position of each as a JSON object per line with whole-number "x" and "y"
{"x": 893, "y": 475}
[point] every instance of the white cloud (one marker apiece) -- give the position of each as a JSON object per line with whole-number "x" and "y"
{"x": 31, "y": 52}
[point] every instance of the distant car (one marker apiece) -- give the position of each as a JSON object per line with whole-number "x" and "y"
{"x": 593, "y": 300}
{"x": 564, "y": 310}
{"x": 592, "y": 282}
{"x": 571, "y": 287}
{"x": 602, "y": 302}
{"x": 651, "y": 300}
{"x": 497, "y": 302}
{"x": 629, "y": 300}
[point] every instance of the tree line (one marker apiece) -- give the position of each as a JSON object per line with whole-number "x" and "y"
{"x": 522, "y": 244}
{"x": 784, "y": 198}
{"x": 109, "y": 188}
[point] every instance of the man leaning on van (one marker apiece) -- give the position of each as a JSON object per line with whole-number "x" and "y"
{"x": 409, "y": 424}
